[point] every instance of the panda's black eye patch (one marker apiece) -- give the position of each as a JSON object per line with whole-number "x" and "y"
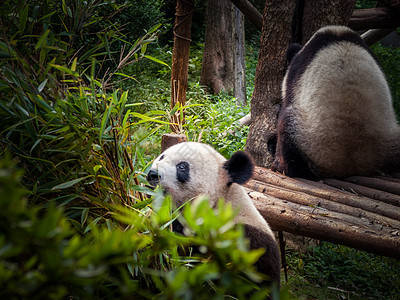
{"x": 182, "y": 172}
{"x": 161, "y": 157}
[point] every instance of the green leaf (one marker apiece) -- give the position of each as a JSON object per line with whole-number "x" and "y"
{"x": 42, "y": 85}
{"x": 68, "y": 184}
{"x": 23, "y": 17}
{"x": 65, "y": 70}
{"x": 156, "y": 60}
{"x": 42, "y": 39}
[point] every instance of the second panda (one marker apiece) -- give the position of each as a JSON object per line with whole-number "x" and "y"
{"x": 337, "y": 117}
{"x": 189, "y": 169}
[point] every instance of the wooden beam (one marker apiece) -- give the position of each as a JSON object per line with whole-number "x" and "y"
{"x": 372, "y": 18}
{"x": 373, "y": 36}
{"x": 250, "y": 12}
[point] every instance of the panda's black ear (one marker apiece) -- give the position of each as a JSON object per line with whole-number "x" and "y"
{"x": 292, "y": 51}
{"x": 240, "y": 168}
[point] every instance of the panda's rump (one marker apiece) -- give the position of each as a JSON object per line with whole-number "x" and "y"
{"x": 343, "y": 111}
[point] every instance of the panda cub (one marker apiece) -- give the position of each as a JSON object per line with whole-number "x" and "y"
{"x": 189, "y": 169}
{"x": 337, "y": 117}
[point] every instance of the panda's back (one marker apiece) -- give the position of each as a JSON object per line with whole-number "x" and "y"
{"x": 342, "y": 100}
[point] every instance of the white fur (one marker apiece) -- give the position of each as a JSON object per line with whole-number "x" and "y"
{"x": 207, "y": 177}
{"x": 344, "y": 119}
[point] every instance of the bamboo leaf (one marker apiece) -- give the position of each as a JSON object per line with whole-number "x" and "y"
{"x": 42, "y": 85}
{"x": 65, "y": 70}
{"x": 68, "y": 184}
{"x": 42, "y": 39}
{"x": 23, "y": 17}
{"x": 156, "y": 60}
{"x": 104, "y": 120}
{"x": 73, "y": 67}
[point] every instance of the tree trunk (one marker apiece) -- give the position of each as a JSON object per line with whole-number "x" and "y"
{"x": 239, "y": 56}
{"x": 180, "y": 58}
{"x": 250, "y": 12}
{"x": 217, "y": 65}
{"x": 321, "y": 13}
{"x": 265, "y": 103}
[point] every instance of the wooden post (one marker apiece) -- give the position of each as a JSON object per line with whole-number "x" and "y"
{"x": 169, "y": 140}
{"x": 180, "y": 59}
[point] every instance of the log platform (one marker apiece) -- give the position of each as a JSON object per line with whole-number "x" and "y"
{"x": 360, "y": 212}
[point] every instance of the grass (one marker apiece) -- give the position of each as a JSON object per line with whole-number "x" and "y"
{"x": 332, "y": 271}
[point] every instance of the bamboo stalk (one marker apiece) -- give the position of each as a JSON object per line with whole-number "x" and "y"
{"x": 323, "y": 227}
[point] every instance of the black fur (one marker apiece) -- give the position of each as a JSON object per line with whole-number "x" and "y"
{"x": 240, "y": 168}
{"x": 292, "y": 51}
{"x": 183, "y": 172}
{"x": 269, "y": 262}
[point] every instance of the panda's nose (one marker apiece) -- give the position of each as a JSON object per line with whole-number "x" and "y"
{"x": 153, "y": 178}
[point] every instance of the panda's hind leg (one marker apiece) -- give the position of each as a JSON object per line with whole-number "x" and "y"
{"x": 289, "y": 160}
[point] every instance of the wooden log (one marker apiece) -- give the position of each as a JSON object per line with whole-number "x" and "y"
{"x": 389, "y": 178}
{"x": 250, "y": 12}
{"x": 365, "y": 191}
{"x": 373, "y": 36}
{"x": 376, "y": 183}
{"x": 277, "y": 179}
{"x": 372, "y": 18}
{"x": 340, "y": 217}
{"x": 316, "y": 202}
{"x": 320, "y": 227}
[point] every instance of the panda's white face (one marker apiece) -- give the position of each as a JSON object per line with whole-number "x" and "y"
{"x": 188, "y": 169}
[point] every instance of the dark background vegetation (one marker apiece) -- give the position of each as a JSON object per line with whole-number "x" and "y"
{"x": 85, "y": 97}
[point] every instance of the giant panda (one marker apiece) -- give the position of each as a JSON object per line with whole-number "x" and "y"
{"x": 337, "y": 117}
{"x": 189, "y": 169}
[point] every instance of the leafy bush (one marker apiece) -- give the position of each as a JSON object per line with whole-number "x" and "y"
{"x": 80, "y": 223}
{"x": 42, "y": 256}
{"x": 389, "y": 59}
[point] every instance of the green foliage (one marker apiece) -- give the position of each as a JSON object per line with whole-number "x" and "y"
{"x": 337, "y": 269}
{"x": 42, "y": 256}
{"x": 361, "y": 4}
{"x": 389, "y": 59}
{"x": 80, "y": 225}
